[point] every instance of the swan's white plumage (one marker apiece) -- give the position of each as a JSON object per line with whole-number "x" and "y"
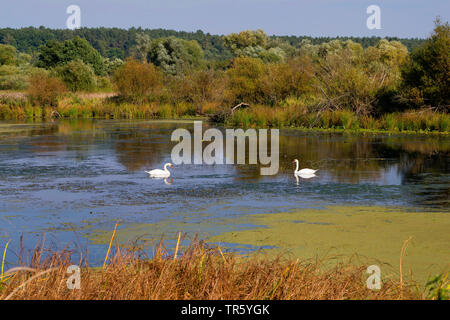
{"x": 158, "y": 173}
{"x": 304, "y": 172}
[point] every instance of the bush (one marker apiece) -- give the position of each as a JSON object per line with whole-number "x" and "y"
{"x": 198, "y": 87}
{"x": 12, "y": 78}
{"x": 8, "y": 55}
{"x": 246, "y": 80}
{"x": 45, "y": 90}
{"x": 77, "y": 76}
{"x": 135, "y": 80}
{"x": 55, "y": 53}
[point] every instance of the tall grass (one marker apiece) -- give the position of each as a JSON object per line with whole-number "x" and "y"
{"x": 75, "y": 106}
{"x": 198, "y": 271}
{"x": 294, "y": 113}
{"x": 296, "y": 116}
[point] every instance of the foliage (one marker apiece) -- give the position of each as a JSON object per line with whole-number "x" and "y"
{"x": 175, "y": 56}
{"x": 77, "y": 76}
{"x": 345, "y": 82}
{"x": 12, "y": 78}
{"x": 45, "y": 89}
{"x": 198, "y": 87}
{"x": 246, "y": 80}
{"x": 8, "y": 55}
{"x": 439, "y": 287}
{"x": 55, "y": 53}
{"x": 134, "y": 80}
{"x": 255, "y": 44}
{"x": 118, "y": 43}
{"x": 427, "y": 75}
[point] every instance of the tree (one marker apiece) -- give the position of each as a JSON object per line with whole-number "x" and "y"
{"x": 256, "y": 44}
{"x": 427, "y": 74}
{"x": 44, "y": 89}
{"x": 246, "y": 80}
{"x": 77, "y": 75}
{"x": 248, "y": 38}
{"x": 54, "y": 53}
{"x": 175, "y": 56}
{"x": 8, "y": 55}
{"x": 134, "y": 80}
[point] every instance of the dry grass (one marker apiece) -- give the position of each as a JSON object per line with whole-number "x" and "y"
{"x": 197, "y": 272}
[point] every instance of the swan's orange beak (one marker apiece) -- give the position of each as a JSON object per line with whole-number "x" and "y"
{"x": 171, "y": 166}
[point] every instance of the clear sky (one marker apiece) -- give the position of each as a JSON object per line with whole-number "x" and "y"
{"x": 401, "y": 18}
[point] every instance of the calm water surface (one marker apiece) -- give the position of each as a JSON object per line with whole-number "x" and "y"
{"x": 73, "y": 180}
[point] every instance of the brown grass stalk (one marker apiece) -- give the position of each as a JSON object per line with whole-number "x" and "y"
{"x": 199, "y": 272}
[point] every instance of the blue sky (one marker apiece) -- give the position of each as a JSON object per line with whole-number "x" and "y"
{"x": 402, "y": 18}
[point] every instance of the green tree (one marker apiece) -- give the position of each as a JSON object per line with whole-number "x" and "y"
{"x": 427, "y": 74}
{"x": 246, "y": 80}
{"x": 256, "y": 44}
{"x": 8, "y": 55}
{"x": 248, "y": 38}
{"x": 54, "y": 53}
{"x": 77, "y": 75}
{"x": 175, "y": 56}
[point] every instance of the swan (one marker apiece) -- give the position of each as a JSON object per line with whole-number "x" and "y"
{"x": 304, "y": 176}
{"x": 304, "y": 173}
{"x": 158, "y": 173}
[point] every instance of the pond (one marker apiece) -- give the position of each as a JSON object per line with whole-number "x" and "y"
{"x": 73, "y": 180}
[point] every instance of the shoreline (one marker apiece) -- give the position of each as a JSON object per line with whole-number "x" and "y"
{"x": 359, "y": 131}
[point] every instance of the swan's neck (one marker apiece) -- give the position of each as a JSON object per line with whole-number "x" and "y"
{"x": 296, "y": 165}
{"x": 165, "y": 167}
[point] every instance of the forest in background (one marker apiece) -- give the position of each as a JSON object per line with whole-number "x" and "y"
{"x": 118, "y": 43}
{"x": 245, "y": 79}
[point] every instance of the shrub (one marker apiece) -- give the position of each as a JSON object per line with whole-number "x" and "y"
{"x": 45, "y": 90}
{"x": 135, "y": 80}
{"x": 77, "y": 76}
{"x": 8, "y": 55}
{"x": 245, "y": 80}
{"x": 12, "y": 78}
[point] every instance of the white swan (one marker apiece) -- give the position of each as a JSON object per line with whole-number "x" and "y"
{"x": 304, "y": 173}
{"x": 304, "y": 176}
{"x": 158, "y": 173}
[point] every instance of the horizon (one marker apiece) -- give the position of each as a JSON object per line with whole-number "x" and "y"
{"x": 220, "y": 35}
{"x": 323, "y": 18}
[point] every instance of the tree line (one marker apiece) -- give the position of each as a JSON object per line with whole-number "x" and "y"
{"x": 309, "y": 76}
{"x": 118, "y": 43}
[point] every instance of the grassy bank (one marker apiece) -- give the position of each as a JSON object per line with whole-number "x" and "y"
{"x": 15, "y": 106}
{"x": 197, "y": 272}
{"x": 422, "y": 121}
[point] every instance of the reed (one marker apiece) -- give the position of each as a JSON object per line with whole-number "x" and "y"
{"x": 296, "y": 113}
{"x": 200, "y": 271}
{"x": 293, "y": 116}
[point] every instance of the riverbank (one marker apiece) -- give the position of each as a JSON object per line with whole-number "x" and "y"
{"x": 15, "y": 106}
{"x": 198, "y": 272}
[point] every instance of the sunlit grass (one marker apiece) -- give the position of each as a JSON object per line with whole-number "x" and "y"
{"x": 197, "y": 271}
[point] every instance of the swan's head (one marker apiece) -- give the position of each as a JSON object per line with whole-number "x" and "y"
{"x": 294, "y": 161}
{"x": 169, "y": 165}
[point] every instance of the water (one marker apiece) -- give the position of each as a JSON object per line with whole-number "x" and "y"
{"x": 73, "y": 180}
